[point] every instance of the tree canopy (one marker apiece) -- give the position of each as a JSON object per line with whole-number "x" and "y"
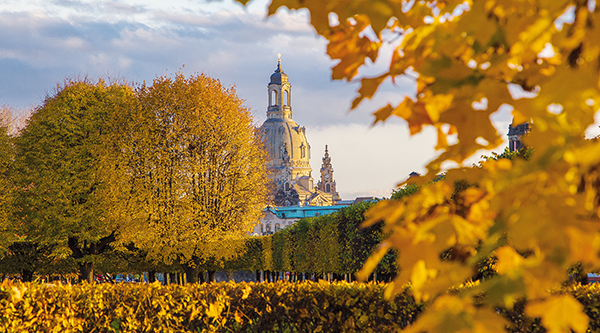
{"x": 60, "y": 153}
{"x": 468, "y": 59}
{"x": 6, "y": 181}
{"x": 195, "y": 171}
{"x": 163, "y": 173}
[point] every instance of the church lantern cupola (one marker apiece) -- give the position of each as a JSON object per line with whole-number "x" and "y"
{"x": 280, "y": 94}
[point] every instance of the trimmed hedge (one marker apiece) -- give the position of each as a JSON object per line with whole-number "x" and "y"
{"x": 215, "y": 307}
{"x": 229, "y": 307}
{"x": 333, "y": 243}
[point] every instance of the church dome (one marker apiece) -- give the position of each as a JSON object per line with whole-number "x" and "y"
{"x": 284, "y": 141}
{"x": 288, "y": 160}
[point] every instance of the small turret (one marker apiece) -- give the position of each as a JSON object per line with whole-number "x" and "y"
{"x": 327, "y": 183}
{"x": 515, "y": 133}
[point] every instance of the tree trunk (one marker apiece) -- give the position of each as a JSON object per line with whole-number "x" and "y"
{"x": 211, "y": 276}
{"x": 86, "y": 272}
{"x": 27, "y": 275}
{"x": 151, "y": 276}
{"x": 191, "y": 273}
{"x": 581, "y": 277}
{"x": 79, "y": 251}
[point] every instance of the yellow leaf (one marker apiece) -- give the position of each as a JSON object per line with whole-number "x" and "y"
{"x": 469, "y": 232}
{"x": 368, "y": 87}
{"x": 383, "y": 114}
{"x": 419, "y": 276}
{"x": 437, "y": 104}
{"x": 518, "y": 118}
{"x": 584, "y": 245}
{"x": 373, "y": 261}
{"x": 559, "y": 314}
{"x": 450, "y": 314}
{"x": 214, "y": 310}
{"x": 246, "y": 292}
{"x": 238, "y": 317}
{"x": 509, "y": 260}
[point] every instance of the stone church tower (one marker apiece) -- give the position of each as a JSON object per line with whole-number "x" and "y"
{"x": 515, "y": 133}
{"x": 288, "y": 150}
{"x": 327, "y": 183}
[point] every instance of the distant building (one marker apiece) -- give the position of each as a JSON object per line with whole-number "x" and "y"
{"x": 289, "y": 152}
{"x": 295, "y": 196}
{"x": 277, "y": 218}
{"x": 514, "y": 135}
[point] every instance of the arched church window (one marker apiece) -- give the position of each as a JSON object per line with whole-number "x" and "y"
{"x": 327, "y": 188}
{"x": 277, "y": 227}
{"x": 303, "y": 152}
{"x": 286, "y": 98}
{"x": 273, "y": 97}
{"x": 268, "y": 228}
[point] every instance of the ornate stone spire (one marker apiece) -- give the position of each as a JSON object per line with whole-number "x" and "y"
{"x": 326, "y": 159}
{"x": 327, "y": 183}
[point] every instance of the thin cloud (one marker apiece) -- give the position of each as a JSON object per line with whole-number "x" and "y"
{"x": 43, "y": 42}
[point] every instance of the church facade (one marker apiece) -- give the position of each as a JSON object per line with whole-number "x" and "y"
{"x": 288, "y": 165}
{"x": 289, "y": 152}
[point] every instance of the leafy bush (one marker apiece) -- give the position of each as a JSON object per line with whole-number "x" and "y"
{"x": 215, "y": 307}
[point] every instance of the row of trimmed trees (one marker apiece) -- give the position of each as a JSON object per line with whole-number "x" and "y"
{"x": 333, "y": 245}
{"x": 106, "y": 175}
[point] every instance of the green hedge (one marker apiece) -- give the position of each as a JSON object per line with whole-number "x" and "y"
{"x": 215, "y": 307}
{"x": 333, "y": 243}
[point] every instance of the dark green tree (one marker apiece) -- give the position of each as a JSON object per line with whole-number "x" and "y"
{"x": 63, "y": 157}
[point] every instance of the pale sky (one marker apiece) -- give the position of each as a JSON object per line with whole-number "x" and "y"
{"x": 42, "y": 42}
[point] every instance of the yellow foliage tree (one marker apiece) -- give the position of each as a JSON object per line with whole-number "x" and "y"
{"x": 6, "y": 161}
{"x": 194, "y": 172}
{"x": 468, "y": 59}
{"x": 62, "y": 197}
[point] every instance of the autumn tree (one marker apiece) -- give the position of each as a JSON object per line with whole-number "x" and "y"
{"x": 62, "y": 158}
{"x": 196, "y": 171}
{"x": 6, "y": 182}
{"x": 467, "y": 60}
